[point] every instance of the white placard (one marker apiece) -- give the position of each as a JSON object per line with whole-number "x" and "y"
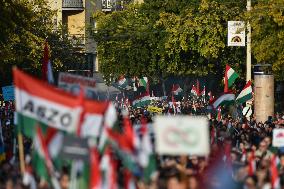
{"x": 278, "y": 138}
{"x": 182, "y": 135}
{"x": 236, "y": 33}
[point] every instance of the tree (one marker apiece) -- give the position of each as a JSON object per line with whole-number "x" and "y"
{"x": 25, "y": 25}
{"x": 161, "y": 38}
{"x": 267, "y": 22}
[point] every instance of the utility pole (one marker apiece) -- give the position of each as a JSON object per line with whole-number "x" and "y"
{"x": 248, "y": 76}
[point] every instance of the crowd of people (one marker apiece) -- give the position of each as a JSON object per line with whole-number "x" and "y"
{"x": 241, "y": 152}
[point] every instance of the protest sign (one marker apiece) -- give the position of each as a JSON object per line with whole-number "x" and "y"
{"x": 75, "y": 148}
{"x": 71, "y": 83}
{"x": 8, "y": 93}
{"x": 278, "y": 138}
{"x": 182, "y": 135}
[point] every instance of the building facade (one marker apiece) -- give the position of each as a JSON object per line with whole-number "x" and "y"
{"x": 76, "y": 17}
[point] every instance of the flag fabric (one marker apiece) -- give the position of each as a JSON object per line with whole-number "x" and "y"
{"x": 275, "y": 181}
{"x": 95, "y": 174}
{"x": 129, "y": 182}
{"x": 176, "y": 90}
{"x": 108, "y": 167}
{"x": 144, "y": 83}
{"x": 224, "y": 99}
{"x": 37, "y": 101}
{"x": 219, "y": 115}
{"x": 197, "y": 87}
{"x": 251, "y": 164}
{"x": 42, "y": 159}
{"x": 210, "y": 96}
{"x": 230, "y": 77}
{"x": 194, "y": 90}
{"x": 125, "y": 144}
{"x": 246, "y": 94}
{"x": 146, "y": 153}
{"x": 142, "y": 100}
{"x": 47, "y": 74}
{"x": 122, "y": 82}
{"x": 109, "y": 120}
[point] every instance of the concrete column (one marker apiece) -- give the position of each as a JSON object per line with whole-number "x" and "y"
{"x": 264, "y": 97}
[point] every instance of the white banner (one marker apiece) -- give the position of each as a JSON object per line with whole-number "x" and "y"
{"x": 56, "y": 115}
{"x": 71, "y": 83}
{"x": 236, "y": 33}
{"x": 278, "y": 138}
{"x": 182, "y": 135}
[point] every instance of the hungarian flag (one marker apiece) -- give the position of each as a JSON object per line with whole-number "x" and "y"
{"x": 44, "y": 151}
{"x": 275, "y": 181}
{"x": 251, "y": 164}
{"x": 129, "y": 182}
{"x": 176, "y": 90}
{"x": 122, "y": 82}
{"x": 37, "y": 101}
{"x": 142, "y": 100}
{"x": 144, "y": 83}
{"x": 95, "y": 174}
{"x": 210, "y": 96}
{"x": 194, "y": 90}
{"x": 125, "y": 144}
{"x": 224, "y": 99}
{"x": 219, "y": 115}
{"x": 230, "y": 77}
{"x": 146, "y": 153}
{"x": 47, "y": 74}
{"x": 110, "y": 118}
{"x": 246, "y": 93}
{"x": 108, "y": 167}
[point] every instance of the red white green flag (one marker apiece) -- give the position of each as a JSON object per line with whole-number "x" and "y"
{"x": 146, "y": 153}
{"x": 246, "y": 93}
{"x": 275, "y": 180}
{"x": 176, "y": 89}
{"x": 37, "y": 101}
{"x": 230, "y": 77}
{"x": 224, "y": 99}
{"x": 142, "y": 100}
{"x": 95, "y": 174}
{"x": 45, "y": 150}
{"x": 108, "y": 167}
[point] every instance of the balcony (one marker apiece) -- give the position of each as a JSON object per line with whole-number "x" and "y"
{"x": 112, "y": 5}
{"x": 77, "y": 40}
{"x": 73, "y": 5}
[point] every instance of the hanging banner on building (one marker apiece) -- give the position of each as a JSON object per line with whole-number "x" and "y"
{"x": 8, "y": 93}
{"x": 278, "y": 138}
{"x": 182, "y": 135}
{"x": 71, "y": 83}
{"x": 236, "y": 33}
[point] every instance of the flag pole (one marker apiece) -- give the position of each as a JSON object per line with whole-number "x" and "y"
{"x": 21, "y": 153}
